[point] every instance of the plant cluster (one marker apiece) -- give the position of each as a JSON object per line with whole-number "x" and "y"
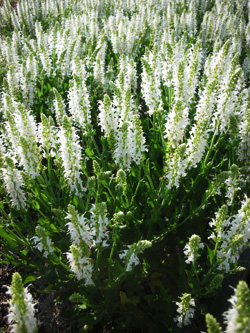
{"x": 124, "y": 155}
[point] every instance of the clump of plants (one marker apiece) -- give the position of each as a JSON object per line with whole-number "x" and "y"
{"x": 124, "y": 156}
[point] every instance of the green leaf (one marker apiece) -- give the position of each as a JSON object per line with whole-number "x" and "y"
{"x": 90, "y": 153}
{"x": 35, "y": 205}
{"x": 39, "y": 93}
{"x": 12, "y": 241}
{"x": 210, "y": 254}
{"x": 75, "y": 201}
{"x": 77, "y": 298}
{"x": 151, "y": 203}
{"x": 24, "y": 252}
{"x": 29, "y": 278}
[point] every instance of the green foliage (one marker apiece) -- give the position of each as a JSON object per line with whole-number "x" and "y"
{"x": 147, "y": 202}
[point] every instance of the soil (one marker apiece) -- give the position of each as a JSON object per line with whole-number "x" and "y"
{"x": 6, "y": 272}
{"x": 49, "y": 314}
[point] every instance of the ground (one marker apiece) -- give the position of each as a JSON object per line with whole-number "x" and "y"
{"x": 49, "y": 315}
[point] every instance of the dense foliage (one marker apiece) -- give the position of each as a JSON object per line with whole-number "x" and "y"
{"x": 124, "y": 155}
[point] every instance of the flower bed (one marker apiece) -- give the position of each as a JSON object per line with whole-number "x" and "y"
{"x": 124, "y": 157}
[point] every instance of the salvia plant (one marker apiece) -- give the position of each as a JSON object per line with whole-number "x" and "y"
{"x": 124, "y": 159}
{"x": 21, "y": 315}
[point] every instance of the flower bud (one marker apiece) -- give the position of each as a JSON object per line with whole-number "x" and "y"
{"x": 91, "y": 184}
{"x": 21, "y": 310}
{"x": 97, "y": 169}
{"x": 121, "y": 178}
{"x": 216, "y": 282}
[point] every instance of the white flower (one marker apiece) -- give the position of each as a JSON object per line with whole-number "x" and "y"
{"x": 79, "y": 228}
{"x": 186, "y": 310}
{"x": 108, "y": 116}
{"x": 196, "y": 144}
{"x": 70, "y": 152}
{"x": 130, "y": 256}
{"x": 235, "y": 233}
{"x": 151, "y": 83}
{"x": 47, "y": 136}
{"x": 230, "y": 316}
{"x": 99, "y": 65}
{"x": 176, "y": 166}
{"x": 40, "y": 247}
{"x": 21, "y": 131}
{"x": 177, "y": 121}
{"x": 130, "y": 144}
{"x": 80, "y": 264}
{"x": 99, "y": 222}
{"x": 79, "y": 105}
{"x": 21, "y": 312}
{"x": 133, "y": 261}
{"x": 13, "y": 183}
{"x": 191, "y": 249}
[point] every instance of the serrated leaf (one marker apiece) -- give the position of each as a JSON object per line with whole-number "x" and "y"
{"x": 78, "y": 298}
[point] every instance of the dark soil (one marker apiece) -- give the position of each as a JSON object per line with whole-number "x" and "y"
{"x": 6, "y": 272}
{"x": 49, "y": 314}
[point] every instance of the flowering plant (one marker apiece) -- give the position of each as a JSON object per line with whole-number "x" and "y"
{"x": 124, "y": 153}
{"x": 21, "y": 313}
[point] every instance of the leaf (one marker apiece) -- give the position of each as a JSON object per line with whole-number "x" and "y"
{"x": 210, "y": 255}
{"x": 75, "y": 201}
{"x": 29, "y": 278}
{"x": 12, "y": 241}
{"x": 78, "y": 298}
{"x": 24, "y": 252}
{"x": 132, "y": 300}
{"x": 90, "y": 153}
{"x": 35, "y": 205}
{"x": 151, "y": 203}
{"x": 39, "y": 93}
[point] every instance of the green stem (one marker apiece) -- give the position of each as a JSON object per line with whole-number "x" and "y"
{"x": 98, "y": 258}
{"x": 126, "y": 198}
{"x": 5, "y": 215}
{"x": 96, "y": 147}
{"x": 207, "y": 275}
{"x": 110, "y": 192}
{"x": 195, "y": 270}
{"x": 210, "y": 148}
{"x": 48, "y": 185}
{"x": 149, "y": 178}
{"x": 111, "y": 256}
{"x": 51, "y": 175}
{"x": 200, "y": 175}
{"x": 120, "y": 277}
{"x": 22, "y": 240}
{"x": 215, "y": 250}
{"x": 170, "y": 98}
{"x": 161, "y": 128}
{"x": 44, "y": 182}
{"x": 176, "y": 226}
{"x": 136, "y": 190}
{"x": 153, "y": 220}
